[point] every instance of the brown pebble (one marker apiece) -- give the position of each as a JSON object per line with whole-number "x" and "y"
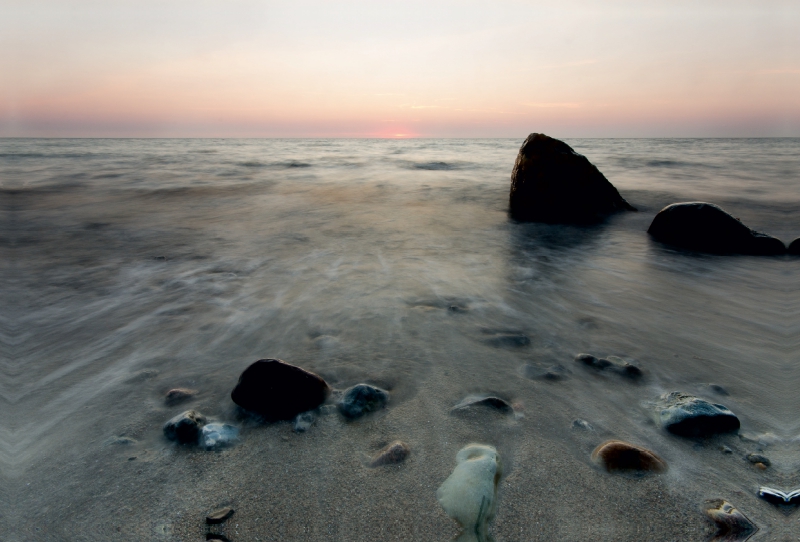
{"x": 178, "y": 395}
{"x": 219, "y": 516}
{"x": 761, "y": 466}
{"x": 732, "y": 525}
{"x": 394, "y": 453}
{"x": 616, "y": 455}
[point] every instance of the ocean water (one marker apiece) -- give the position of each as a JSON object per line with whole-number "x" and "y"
{"x": 130, "y": 267}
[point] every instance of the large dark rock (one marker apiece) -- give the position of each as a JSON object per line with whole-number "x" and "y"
{"x": 794, "y": 247}
{"x": 277, "y": 390}
{"x": 688, "y": 416}
{"x": 706, "y": 227}
{"x": 552, "y": 183}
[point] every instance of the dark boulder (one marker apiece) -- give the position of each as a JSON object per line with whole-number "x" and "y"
{"x": 277, "y": 390}
{"x": 185, "y": 428}
{"x": 685, "y": 415}
{"x": 362, "y": 399}
{"x": 705, "y": 227}
{"x": 552, "y": 183}
{"x": 794, "y": 247}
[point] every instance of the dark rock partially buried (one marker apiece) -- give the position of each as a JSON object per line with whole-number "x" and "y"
{"x": 688, "y": 416}
{"x": 362, "y": 399}
{"x": 277, "y": 390}
{"x": 616, "y": 455}
{"x": 185, "y": 428}
{"x": 552, "y": 183}
{"x": 794, "y": 247}
{"x": 706, "y": 227}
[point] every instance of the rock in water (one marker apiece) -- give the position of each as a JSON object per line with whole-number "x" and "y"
{"x": 616, "y": 455}
{"x": 685, "y": 415}
{"x": 552, "y": 183}
{"x": 185, "y": 428}
{"x": 706, "y": 227}
{"x": 178, "y": 395}
{"x": 218, "y": 435}
{"x": 484, "y": 401}
{"x": 794, "y": 247}
{"x": 303, "y": 422}
{"x": 394, "y": 453}
{"x": 469, "y": 495}
{"x": 277, "y": 390}
{"x": 732, "y": 525}
{"x": 362, "y": 399}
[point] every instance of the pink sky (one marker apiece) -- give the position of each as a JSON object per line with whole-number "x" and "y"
{"x": 244, "y": 68}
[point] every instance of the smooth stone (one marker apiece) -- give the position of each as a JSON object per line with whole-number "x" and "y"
{"x": 219, "y": 435}
{"x": 394, "y": 453}
{"x": 469, "y": 495}
{"x": 758, "y": 458}
{"x": 706, "y": 227}
{"x": 726, "y": 450}
{"x": 688, "y": 416}
{"x": 732, "y": 525}
{"x": 303, "y": 422}
{"x": 277, "y": 390}
{"x": 483, "y": 401}
{"x": 185, "y": 428}
{"x": 220, "y": 516}
{"x": 178, "y": 395}
{"x": 552, "y": 183}
{"x": 616, "y": 455}
{"x": 362, "y": 399}
{"x": 794, "y": 247}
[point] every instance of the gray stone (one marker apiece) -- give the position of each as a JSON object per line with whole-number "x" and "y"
{"x": 688, "y": 416}
{"x": 483, "y": 401}
{"x": 303, "y": 421}
{"x": 362, "y": 399}
{"x": 755, "y": 459}
{"x": 185, "y": 428}
{"x": 611, "y": 363}
{"x": 550, "y": 182}
{"x": 218, "y": 435}
{"x": 705, "y": 227}
{"x": 178, "y": 395}
{"x": 394, "y": 453}
{"x": 220, "y": 516}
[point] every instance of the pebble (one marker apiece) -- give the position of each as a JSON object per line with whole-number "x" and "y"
{"x": 485, "y": 401}
{"x": 726, "y": 450}
{"x": 394, "y": 453}
{"x": 583, "y": 425}
{"x": 304, "y": 421}
{"x": 185, "y": 428}
{"x": 688, "y": 416}
{"x": 469, "y": 495}
{"x": 732, "y": 525}
{"x": 220, "y": 516}
{"x": 755, "y": 459}
{"x": 218, "y": 435}
{"x": 277, "y": 390}
{"x": 616, "y": 455}
{"x": 362, "y": 399}
{"x": 178, "y": 395}
{"x": 612, "y": 363}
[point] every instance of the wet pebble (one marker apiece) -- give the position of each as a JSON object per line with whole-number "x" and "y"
{"x": 732, "y": 525}
{"x": 483, "y": 401}
{"x": 553, "y": 373}
{"x": 303, "y": 421}
{"x": 220, "y": 516}
{"x": 688, "y": 416}
{"x": 755, "y": 459}
{"x": 185, "y": 428}
{"x": 582, "y": 425}
{"x": 394, "y": 453}
{"x": 178, "y": 395}
{"x": 218, "y": 435}
{"x": 362, "y": 399}
{"x": 611, "y": 363}
{"x": 616, "y": 455}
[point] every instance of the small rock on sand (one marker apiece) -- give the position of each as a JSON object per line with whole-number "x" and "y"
{"x": 616, "y": 455}
{"x": 394, "y": 453}
{"x": 185, "y": 428}
{"x": 303, "y": 422}
{"x": 732, "y": 525}
{"x": 218, "y": 435}
{"x": 483, "y": 401}
{"x": 685, "y": 415}
{"x": 277, "y": 390}
{"x": 610, "y": 363}
{"x": 362, "y": 399}
{"x": 178, "y": 395}
{"x": 220, "y": 516}
{"x": 582, "y": 425}
{"x": 755, "y": 459}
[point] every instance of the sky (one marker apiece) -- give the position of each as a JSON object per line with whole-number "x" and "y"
{"x": 315, "y": 68}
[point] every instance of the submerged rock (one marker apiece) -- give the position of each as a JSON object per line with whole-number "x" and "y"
{"x": 616, "y": 455}
{"x": 362, "y": 399}
{"x": 706, "y": 227}
{"x": 688, "y": 416}
{"x": 550, "y": 182}
{"x": 394, "y": 453}
{"x": 794, "y": 247}
{"x": 185, "y": 428}
{"x": 582, "y": 425}
{"x": 485, "y": 401}
{"x": 277, "y": 390}
{"x": 611, "y": 363}
{"x": 469, "y": 495}
{"x": 178, "y": 395}
{"x": 732, "y": 525}
{"x": 303, "y": 422}
{"x": 218, "y": 435}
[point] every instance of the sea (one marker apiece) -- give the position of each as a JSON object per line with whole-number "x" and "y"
{"x": 129, "y": 267}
